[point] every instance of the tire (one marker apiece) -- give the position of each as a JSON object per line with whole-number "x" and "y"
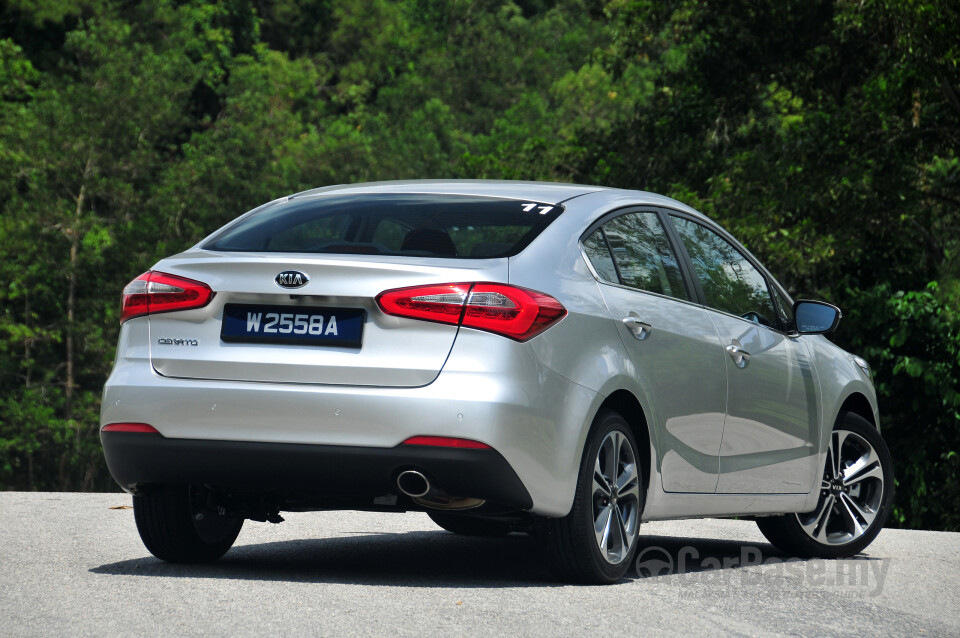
{"x": 854, "y": 502}
{"x": 167, "y": 519}
{"x": 576, "y": 551}
{"x": 470, "y": 525}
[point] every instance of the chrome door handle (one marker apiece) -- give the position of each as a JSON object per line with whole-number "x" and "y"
{"x": 640, "y": 329}
{"x": 740, "y": 356}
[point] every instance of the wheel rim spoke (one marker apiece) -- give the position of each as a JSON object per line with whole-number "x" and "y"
{"x": 829, "y": 466}
{"x": 874, "y": 472}
{"x": 839, "y": 438}
{"x": 853, "y": 523}
{"x": 864, "y": 514}
{"x": 817, "y": 527}
{"x": 613, "y": 457}
{"x": 623, "y": 543}
{"x": 600, "y": 483}
{"x": 867, "y": 458}
{"x": 628, "y": 477}
{"x": 602, "y": 527}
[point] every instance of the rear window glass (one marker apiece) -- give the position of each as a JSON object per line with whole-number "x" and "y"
{"x": 453, "y": 226}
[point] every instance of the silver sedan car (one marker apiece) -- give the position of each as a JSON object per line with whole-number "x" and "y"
{"x": 563, "y": 360}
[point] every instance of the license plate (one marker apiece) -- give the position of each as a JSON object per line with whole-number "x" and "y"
{"x": 292, "y": 325}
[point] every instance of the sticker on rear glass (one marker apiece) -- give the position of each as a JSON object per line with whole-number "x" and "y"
{"x": 540, "y": 208}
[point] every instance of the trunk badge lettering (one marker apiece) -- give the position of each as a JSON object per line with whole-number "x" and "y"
{"x": 174, "y": 341}
{"x": 292, "y": 279}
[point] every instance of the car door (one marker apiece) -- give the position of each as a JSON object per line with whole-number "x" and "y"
{"x": 771, "y": 430}
{"x": 671, "y": 341}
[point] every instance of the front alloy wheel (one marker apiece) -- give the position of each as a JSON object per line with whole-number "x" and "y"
{"x": 856, "y": 492}
{"x": 851, "y": 491}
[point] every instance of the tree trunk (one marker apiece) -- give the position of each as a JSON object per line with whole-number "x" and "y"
{"x": 27, "y": 340}
{"x": 71, "y": 298}
{"x": 71, "y": 314}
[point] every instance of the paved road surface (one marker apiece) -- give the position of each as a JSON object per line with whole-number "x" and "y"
{"x": 70, "y": 565}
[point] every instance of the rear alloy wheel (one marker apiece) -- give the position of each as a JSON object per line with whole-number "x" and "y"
{"x": 596, "y": 541}
{"x": 856, "y": 492}
{"x": 176, "y": 527}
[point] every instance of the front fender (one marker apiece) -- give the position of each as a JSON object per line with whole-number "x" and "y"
{"x": 840, "y": 379}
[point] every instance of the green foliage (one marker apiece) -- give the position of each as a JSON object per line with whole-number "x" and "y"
{"x": 913, "y": 342}
{"x": 823, "y": 133}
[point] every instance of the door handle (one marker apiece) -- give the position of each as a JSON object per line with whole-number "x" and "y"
{"x": 640, "y": 329}
{"x": 741, "y": 358}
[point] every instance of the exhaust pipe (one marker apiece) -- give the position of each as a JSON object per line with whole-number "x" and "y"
{"x": 413, "y": 484}
{"x": 418, "y": 487}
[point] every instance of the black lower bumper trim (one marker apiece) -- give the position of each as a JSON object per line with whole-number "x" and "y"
{"x": 137, "y": 459}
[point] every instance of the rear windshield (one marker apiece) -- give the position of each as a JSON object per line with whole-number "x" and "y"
{"x": 454, "y": 226}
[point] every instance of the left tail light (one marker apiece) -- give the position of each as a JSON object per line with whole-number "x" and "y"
{"x": 154, "y": 292}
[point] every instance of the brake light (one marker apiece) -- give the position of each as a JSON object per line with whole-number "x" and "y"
{"x": 130, "y": 427}
{"x": 154, "y": 292}
{"x": 446, "y": 441}
{"x": 510, "y": 311}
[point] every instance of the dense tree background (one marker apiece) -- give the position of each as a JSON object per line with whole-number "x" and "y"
{"x": 824, "y": 133}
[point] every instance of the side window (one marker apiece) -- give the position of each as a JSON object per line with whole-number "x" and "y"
{"x": 643, "y": 254}
{"x": 596, "y": 248}
{"x": 730, "y": 282}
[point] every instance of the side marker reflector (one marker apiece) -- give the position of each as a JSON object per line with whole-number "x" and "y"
{"x": 446, "y": 441}
{"x": 130, "y": 427}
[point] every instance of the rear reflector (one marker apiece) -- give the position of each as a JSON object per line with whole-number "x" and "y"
{"x": 154, "y": 292}
{"x": 510, "y": 311}
{"x": 130, "y": 427}
{"x": 446, "y": 441}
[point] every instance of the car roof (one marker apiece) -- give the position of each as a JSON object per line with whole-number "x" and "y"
{"x": 545, "y": 192}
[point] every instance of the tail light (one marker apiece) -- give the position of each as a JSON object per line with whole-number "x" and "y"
{"x": 510, "y": 311}
{"x": 154, "y": 292}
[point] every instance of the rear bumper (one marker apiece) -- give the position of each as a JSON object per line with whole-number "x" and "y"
{"x": 492, "y": 390}
{"x": 351, "y": 473}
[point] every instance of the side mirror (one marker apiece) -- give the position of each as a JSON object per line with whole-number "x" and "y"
{"x": 815, "y": 317}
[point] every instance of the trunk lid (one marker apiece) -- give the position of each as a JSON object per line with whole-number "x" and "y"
{"x": 392, "y": 352}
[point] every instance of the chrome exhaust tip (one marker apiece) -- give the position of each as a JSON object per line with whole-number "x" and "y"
{"x": 413, "y": 483}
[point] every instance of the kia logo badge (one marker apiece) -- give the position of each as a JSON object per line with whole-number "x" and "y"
{"x": 292, "y": 279}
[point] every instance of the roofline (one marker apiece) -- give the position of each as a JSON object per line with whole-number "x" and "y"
{"x": 560, "y": 191}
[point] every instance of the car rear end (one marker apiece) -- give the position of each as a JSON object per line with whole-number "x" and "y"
{"x": 314, "y": 351}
